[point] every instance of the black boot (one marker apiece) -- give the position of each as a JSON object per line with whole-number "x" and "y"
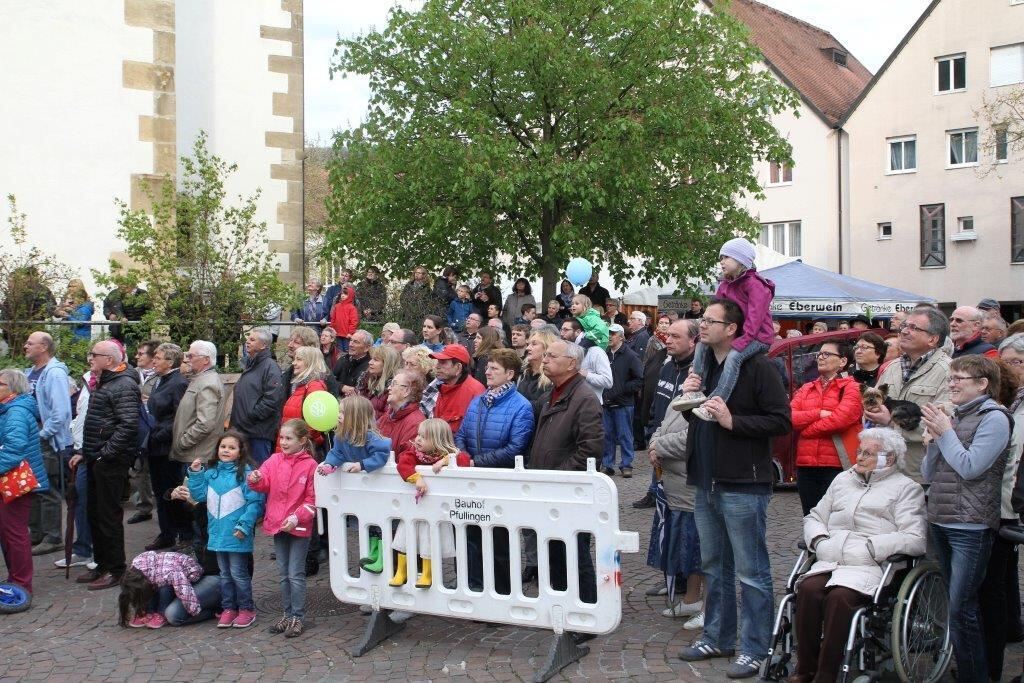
{"x": 646, "y": 502}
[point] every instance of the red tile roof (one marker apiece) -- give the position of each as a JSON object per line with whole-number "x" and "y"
{"x": 802, "y": 55}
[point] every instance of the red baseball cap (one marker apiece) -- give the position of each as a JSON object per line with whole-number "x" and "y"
{"x": 453, "y": 352}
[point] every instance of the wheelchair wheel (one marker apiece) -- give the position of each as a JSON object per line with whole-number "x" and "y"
{"x": 921, "y": 648}
{"x": 14, "y": 599}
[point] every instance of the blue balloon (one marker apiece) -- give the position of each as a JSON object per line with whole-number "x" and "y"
{"x": 578, "y": 271}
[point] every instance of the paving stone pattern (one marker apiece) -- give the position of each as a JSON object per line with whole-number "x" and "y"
{"x": 71, "y": 634}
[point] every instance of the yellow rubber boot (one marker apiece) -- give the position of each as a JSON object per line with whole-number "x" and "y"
{"x": 399, "y": 578}
{"x": 425, "y": 576}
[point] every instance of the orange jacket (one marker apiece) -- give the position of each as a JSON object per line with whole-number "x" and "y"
{"x": 814, "y": 447}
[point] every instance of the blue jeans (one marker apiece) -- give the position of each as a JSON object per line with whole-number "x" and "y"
{"x": 291, "y": 565}
{"x": 618, "y": 431}
{"x": 83, "y": 536}
{"x": 207, "y": 590}
{"x": 731, "y": 369}
{"x": 732, "y": 529}
{"x": 235, "y": 581}
{"x": 261, "y": 450}
{"x": 963, "y": 560}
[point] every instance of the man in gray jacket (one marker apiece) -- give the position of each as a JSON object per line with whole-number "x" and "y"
{"x": 259, "y": 396}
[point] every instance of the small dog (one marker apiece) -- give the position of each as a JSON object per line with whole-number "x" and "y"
{"x": 906, "y": 414}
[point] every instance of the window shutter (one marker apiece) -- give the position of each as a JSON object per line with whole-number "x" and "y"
{"x": 1007, "y": 65}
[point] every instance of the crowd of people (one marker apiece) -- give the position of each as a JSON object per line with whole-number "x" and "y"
{"x": 479, "y": 379}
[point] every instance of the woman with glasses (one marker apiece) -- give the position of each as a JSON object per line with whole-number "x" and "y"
{"x": 868, "y": 355}
{"x": 964, "y": 463}
{"x": 824, "y": 410}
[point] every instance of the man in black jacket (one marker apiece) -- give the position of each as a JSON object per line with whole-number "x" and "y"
{"x": 729, "y": 460}
{"x": 619, "y": 402}
{"x": 109, "y": 444}
{"x": 259, "y": 396}
{"x": 352, "y": 365}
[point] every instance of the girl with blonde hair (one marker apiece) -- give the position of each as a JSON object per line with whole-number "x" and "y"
{"x": 373, "y": 384}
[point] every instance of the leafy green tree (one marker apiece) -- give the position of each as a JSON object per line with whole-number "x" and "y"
{"x": 204, "y": 263}
{"x": 29, "y": 279}
{"x": 515, "y": 134}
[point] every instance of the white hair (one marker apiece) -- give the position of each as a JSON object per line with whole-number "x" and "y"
{"x": 892, "y": 441}
{"x": 205, "y": 349}
{"x": 364, "y": 335}
{"x": 576, "y": 352}
{"x": 639, "y": 315}
{"x": 264, "y": 335}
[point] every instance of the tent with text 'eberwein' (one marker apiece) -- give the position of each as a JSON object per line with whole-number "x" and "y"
{"x": 803, "y": 291}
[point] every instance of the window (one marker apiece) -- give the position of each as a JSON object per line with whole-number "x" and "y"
{"x": 838, "y": 57}
{"x": 779, "y": 173}
{"x": 885, "y": 231}
{"x": 952, "y": 73}
{"x": 1006, "y": 65}
{"x": 782, "y": 237}
{"x": 933, "y": 235}
{"x": 1002, "y": 144}
{"x": 1017, "y": 230}
{"x": 902, "y": 154}
{"x": 963, "y": 147}
{"x": 965, "y": 223}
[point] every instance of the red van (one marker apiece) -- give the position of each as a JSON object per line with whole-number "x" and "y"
{"x": 796, "y": 363}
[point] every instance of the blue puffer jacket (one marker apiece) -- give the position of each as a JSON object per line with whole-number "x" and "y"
{"x": 373, "y": 455}
{"x": 494, "y": 436}
{"x": 19, "y": 438}
{"x": 230, "y": 505}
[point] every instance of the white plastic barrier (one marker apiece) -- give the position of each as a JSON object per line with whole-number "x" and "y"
{"x": 556, "y": 505}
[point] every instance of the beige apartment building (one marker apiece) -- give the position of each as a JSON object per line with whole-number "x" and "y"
{"x": 936, "y": 195}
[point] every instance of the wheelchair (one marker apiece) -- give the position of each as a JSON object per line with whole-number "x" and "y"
{"x": 904, "y": 630}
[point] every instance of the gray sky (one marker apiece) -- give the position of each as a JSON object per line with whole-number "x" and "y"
{"x": 870, "y": 29}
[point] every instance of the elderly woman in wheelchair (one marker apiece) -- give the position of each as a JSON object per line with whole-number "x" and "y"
{"x": 869, "y": 524}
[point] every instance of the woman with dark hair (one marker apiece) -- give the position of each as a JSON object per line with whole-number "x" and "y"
{"x": 372, "y": 295}
{"x": 487, "y": 340}
{"x": 823, "y": 411}
{"x": 868, "y": 354}
{"x": 328, "y": 347}
{"x": 564, "y": 296}
{"x": 521, "y": 294}
{"x": 444, "y": 287}
{"x": 433, "y": 326}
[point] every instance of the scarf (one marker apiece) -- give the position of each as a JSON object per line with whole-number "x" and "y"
{"x": 428, "y": 459}
{"x": 1017, "y": 400}
{"x": 493, "y": 395}
{"x": 661, "y": 336}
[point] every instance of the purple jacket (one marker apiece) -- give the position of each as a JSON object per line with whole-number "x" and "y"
{"x": 754, "y": 295}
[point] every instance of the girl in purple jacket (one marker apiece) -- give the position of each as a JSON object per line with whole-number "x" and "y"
{"x": 753, "y": 294}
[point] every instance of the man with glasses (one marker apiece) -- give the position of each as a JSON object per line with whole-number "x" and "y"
{"x": 965, "y": 331}
{"x": 729, "y": 461}
{"x": 109, "y": 444}
{"x": 920, "y": 376}
{"x": 48, "y": 381}
{"x": 259, "y": 395}
{"x": 637, "y": 336}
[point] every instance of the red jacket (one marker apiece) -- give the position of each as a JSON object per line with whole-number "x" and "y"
{"x": 401, "y": 426}
{"x": 814, "y": 447}
{"x": 411, "y": 457}
{"x": 453, "y": 401}
{"x": 344, "y": 316}
{"x": 292, "y": 409}
{"x": 288, "y": 483}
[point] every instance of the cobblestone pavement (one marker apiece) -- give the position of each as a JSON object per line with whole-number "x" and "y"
{"x": 71, "y": 634}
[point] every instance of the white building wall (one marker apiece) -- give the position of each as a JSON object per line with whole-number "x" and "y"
{"x": 70, "y": 130}
{"x": 904, "y": 102}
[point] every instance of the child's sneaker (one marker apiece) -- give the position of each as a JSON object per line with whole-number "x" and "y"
{"x": 688, "y": 400}
{"x": 245, "y": 619}
{"x": 282, "y": 624}
{"x": 156, "y": 621}
{"x": 226, "y": 618}
{"x": 294, "y": 628}
{"x": 140, "y": 621}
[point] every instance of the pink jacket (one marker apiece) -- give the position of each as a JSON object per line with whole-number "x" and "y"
{"x": 288, "y": 482}
{"x": 754, "y": 295}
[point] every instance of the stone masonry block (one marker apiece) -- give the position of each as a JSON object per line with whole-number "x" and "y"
{"x": 154, "y": 14}
{"x": 282, "y": 64}
{"x": 286, "y": 171}
{"x": 287, "y": 104}
{"x": 157, "y": 129}
{"x": 280, "y": 33}
{"x": 144, "y": 76}
{"x": 283, "y": 140}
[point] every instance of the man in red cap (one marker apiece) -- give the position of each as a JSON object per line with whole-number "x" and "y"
{"x": 456, "y": 388}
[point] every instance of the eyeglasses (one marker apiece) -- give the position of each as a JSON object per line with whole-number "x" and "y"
{"x": 400, "y": 386}
{"x": 711, "y": 321}
{"x": 548, "y": 354}
{"x": 1016, "y": 362}
{"x": 963, "y": 320}
{"x": 91, "y": 355}
{"x": 861, "y": 451}
{"x": 826, "y": 355}
{"x": 956, "y": 379}
{"x": 863, "y": 347}
{"x": 911, "y": 327}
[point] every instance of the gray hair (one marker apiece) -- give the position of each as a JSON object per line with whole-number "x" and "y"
{"x": 15, "y": 380}
{"x": 639, "y": 315}
{"x": 172, "y": 352}
{"x": 892, "y": 441}
{"x": 692, "y": 327}
{"x": 553, "y": 329}
{"x": 1014, "y": 342}
{"x": 938, "y": 323}
{"x": 365, "y": 336}
{"x": 576, "y": 352}
{"x": 263, "y": 334}
{"x": 205, "y": 349}
{"x": 47, "y": 339}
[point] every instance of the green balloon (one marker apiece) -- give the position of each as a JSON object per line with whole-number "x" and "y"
{"x": 320, "y": 411}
